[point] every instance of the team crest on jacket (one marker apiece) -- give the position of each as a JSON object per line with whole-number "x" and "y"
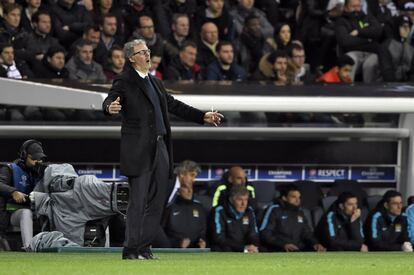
{"x": 300, "y": 219}
{"x": 245, "y": 220}
{"x": 398, "y": 227}
{"x": 195, "y": 213}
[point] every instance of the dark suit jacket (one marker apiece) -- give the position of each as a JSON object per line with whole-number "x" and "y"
{"x": 138, "y": 133}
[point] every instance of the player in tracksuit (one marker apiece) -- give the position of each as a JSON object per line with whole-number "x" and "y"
{"x": 234, "y": 225}
{"x": 285, "y": 227}
{"x": 185, "y": 220}
{"x": 386, "y": 227}
{"x": 340, "y": 229}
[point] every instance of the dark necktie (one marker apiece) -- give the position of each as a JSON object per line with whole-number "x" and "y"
{"x": 155, "y": 100}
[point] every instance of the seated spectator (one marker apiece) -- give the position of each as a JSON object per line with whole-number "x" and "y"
{"x": 406, "y": 8}
{"x": 234, "y": 224}
{"x": 184, "y": 66}
{"x": 252, "y": 45}
{"x": 131, "y": 12}
{"x": 52, "y": 66}
{"x": 27, "y": 14}
{"x": 340, "y": 73}
{"x": 11, "y": 67}
{"x": 10, "y": 31}
{"x": 38, "y": 42}
{"x": 224, "y": 68}
{"x": 383, "y": 12}
{"x": 340, "y": 229}
{"x": 184, "y": 221}
{"x": 155, "y": 63}
{"x": 397, "y": 54}
{"x": 246, "y": 8}
{"x": 108, "y": 38}
{"x": 274, "y": 66}
{"x": 180, "y": 28}
{"x": 357, "y": 35}
{"x": 236, "y": 176}
{"x": 92, "y": 34}
{"x": 156, "y": 43}
{"x": 207, "y": 44}
{"x": 188, "y": 7}
{"x": 386, "y": 227}
{"x": 298, "y": 57}
{"x": 17, "y": 180}
{"x": 217, "y": 13}
{"x": 102, "y": 8}
{"x": 283, "y": 37}
{"x": 82, "y": 67}
{"x": 115, "y": 63}
{"x": 285, "y": 227}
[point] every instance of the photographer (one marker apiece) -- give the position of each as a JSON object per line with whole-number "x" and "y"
{"x": 17, "y": 180}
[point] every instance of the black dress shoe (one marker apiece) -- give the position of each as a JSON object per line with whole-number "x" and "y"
{"x": 147, "y": 253}
{"x": 129, "y": 256}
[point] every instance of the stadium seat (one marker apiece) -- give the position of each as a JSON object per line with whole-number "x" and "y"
{"x": 311, "y": 193}
{"x": 372, "y": 201}
{"x": 265, "y": 191}
{"x": 327, "y": 202}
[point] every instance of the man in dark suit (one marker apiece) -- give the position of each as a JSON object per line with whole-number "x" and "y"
{"x": 146, "y": 154}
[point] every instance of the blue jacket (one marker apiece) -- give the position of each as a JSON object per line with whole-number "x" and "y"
{"x": 410, "y": 219}
{"x": 215, "y": 72}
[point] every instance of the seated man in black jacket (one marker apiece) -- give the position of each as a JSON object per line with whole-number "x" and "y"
{"x": 52, "y": 65}
{"x": 234, "y": 224}
{"x": 386, "y": 228}
{"x": 185, "y": 220}
{"x": 285, "y": 227}
{"x": 341, "y": 228}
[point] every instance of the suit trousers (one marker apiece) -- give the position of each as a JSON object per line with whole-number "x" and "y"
{"x": 147, "y": 196}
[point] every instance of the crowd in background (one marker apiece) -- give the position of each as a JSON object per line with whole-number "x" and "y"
{"x": 287, "y": 42}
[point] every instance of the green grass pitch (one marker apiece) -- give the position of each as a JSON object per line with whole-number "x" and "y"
{"x": 12, "y": 263}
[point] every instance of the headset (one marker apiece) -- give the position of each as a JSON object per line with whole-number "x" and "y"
{"x": 25, "y": 146}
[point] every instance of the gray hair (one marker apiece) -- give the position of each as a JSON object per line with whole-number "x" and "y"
{"x": 238, "y": 191}
{"x": 187, "y": 166}
{"x": 129, "y": 47}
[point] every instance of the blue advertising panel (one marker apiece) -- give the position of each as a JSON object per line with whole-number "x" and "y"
{"x": 373, "y": 173}
{"x": 203, "y": 175}
{"x": 217, "y": 171}
{"x": 326, "y": 173}
{"x": 280, "y": 173}
{"x": 100, "y": 171}
{"x": 118, "y": 174}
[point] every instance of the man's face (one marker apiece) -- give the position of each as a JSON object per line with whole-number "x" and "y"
{"x": 254, "y": 28}
{"x": 240, "y": 203}
{"x": 187, "y": 178}
{"x": 293, "y": 198}
{"x": 141, "y": 59}
{"x": 216, "y": 6}
{"x": 298, "y": 57}
{"x": 182, "y": 26}
{"x": 209, "y": 33}
{"x": 109, "y": 26}
{"x": 86, "y": 54}
{"x": 353, "y": 6}
{"x": 13, "y": 18}
{"x": 247, "y": 4}
{"x": 57, "y": 60}
{"x": 106, "y": 4}
{"x": 188, "y": 56}
{"x": 186, "y": 192}
{"x": 345, "y": 72}
{"x": 118, "y": 59}
{"x": 394, "y": 207}
{"x": 155, "y": 62}
{"x": 8, "y": 55}
{"x": 44, "y": 25}
{"x": 31, "y": 162}
{"x": 146, "y": 28}
{"x": 226, "y": 54}
{"x": 94, "y": 37}
{"x": 237, "y": 177}
{"x": 34, "y": 3}
{"x": 285, "y": 34}
{"x": 280, "y": 65}
{"x": 349, "y": 206}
